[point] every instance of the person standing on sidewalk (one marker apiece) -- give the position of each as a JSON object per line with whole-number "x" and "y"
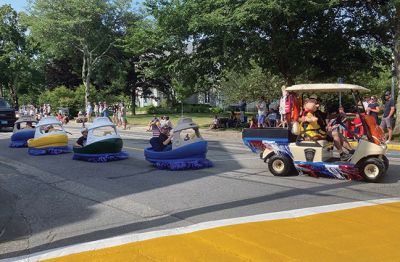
{"x": 89, "y": 112}
{"x": 373, "y": 108}
{"x": 242, "y": 108}
{"x": 387, "y": 117}
{"x": 262, "y": 111}
{"x": 96, "y": 110}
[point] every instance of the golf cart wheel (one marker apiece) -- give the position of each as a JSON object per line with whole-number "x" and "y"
{"x": 372, "y": 169}
{"x": 280, "y": 165}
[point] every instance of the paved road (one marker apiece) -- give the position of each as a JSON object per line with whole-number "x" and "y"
{"x": 52, "y": 201}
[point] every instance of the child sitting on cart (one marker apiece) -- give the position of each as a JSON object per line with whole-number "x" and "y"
{"x": 335, "y": 128}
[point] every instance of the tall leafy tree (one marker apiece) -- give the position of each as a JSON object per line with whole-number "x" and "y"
{"x": 157, "y": 56}
{"x": 296, "y": 40}
{"x": 84, "y": 28}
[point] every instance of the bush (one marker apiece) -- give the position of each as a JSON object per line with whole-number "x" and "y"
{"x": 216, "y": 110}
{"x": 74, "y": 99}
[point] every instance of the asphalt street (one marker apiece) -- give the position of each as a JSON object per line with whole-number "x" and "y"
{"x": 54, "y": 201}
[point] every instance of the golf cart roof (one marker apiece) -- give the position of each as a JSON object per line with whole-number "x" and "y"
{"x": 101, "y": 122}
{"x": 26, "y": 119}
{"x": 185, "y": 123}
{"x": 50, "y": 120}
{"x": 326, "y": 88}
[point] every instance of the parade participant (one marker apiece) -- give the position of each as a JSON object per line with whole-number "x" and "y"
{"x": 309, "y": 121}
{"x": 81, "y": 142}
{"x": 163, "y": 141}
{"x": 335, "y": 134}
{"x": 358, "y": 126}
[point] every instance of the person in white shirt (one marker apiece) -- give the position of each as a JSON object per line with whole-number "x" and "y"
{"x": 262, "y": 111}
{"x": 89, "y": 111}
{"x": 96, "y": 110}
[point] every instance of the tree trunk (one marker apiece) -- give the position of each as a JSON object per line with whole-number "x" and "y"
{"x": 86, "y": 73}
{"x": 133, "y": 101}
{"x": 396, "y": 53}
{"x": 13, "y": 95}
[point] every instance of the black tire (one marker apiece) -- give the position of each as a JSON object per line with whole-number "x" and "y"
{"x": 280, "y": 165}
{"x": 386, "y": 162}
{"x": 372, "y": 169}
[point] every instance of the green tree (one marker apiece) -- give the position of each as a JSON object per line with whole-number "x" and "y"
{"x": 295, "y": 40}
{"x": 250, "y": 85}
{"x": 89, "y": 28}
{"x": 18, "y": 67}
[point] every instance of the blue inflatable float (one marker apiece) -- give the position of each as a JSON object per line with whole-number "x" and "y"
{"x": 187, "y": 153}
{"x": 24, "y": 129}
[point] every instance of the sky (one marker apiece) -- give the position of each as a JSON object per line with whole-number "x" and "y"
{"x": 20, "y": 5}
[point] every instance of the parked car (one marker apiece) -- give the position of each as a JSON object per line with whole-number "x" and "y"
{"x": 7, "y": 114}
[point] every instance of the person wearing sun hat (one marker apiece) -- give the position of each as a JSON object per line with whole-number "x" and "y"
{"x": 163, "y": 141}
{"x": 81, "y": 142}
{"x": 387, "y": 116}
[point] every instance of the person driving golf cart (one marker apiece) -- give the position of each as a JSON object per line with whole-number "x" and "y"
{"x": 310, "y": 126}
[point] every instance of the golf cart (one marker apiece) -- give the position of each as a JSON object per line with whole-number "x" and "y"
{"x": 287, "y": 153}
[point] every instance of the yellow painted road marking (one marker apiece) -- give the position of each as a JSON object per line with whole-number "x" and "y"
{"x": 368, "y": 233}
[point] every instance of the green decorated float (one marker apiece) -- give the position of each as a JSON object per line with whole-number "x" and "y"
{"x": 103, "y": 143}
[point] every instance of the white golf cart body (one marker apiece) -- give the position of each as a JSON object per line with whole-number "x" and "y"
{"x": 285, "y": 155}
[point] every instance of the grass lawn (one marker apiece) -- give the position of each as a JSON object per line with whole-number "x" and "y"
{"x": 202, "y": 119}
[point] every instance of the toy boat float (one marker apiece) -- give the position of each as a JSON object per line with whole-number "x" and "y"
{"x": 103, "y": 143}
{"x": 24, "y": 129}
{"x": 50, "y": 138}
{"x": 186, "y": 153}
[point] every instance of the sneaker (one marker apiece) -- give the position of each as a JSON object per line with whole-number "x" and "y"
{"x": 352, "y": 151}
{"x": 387, "y": 141}
{"x": 345, "y": 156}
